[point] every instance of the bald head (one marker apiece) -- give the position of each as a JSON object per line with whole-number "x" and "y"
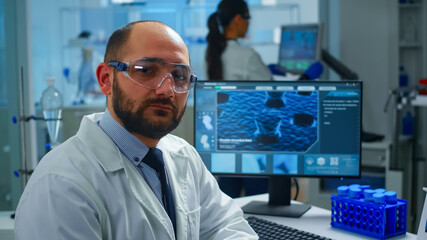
{"x": 136, "y": 35}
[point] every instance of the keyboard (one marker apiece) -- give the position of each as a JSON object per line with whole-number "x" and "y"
{"x": 268, "y": 230}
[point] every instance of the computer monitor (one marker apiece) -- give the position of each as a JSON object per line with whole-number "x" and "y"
{"x": 279, "y": 129}
{"x": 300, "y": 46}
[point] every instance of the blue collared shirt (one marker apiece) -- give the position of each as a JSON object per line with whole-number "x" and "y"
{"x": 133, "y": 149}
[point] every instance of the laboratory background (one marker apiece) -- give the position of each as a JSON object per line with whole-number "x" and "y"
{"x": 50, "y": 47}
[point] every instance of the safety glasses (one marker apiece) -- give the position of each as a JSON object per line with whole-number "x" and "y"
{"x": 152, "y": 72}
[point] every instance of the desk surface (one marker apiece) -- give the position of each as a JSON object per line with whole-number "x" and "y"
{"x": 316, "y": 220}
{"x": 6, "y": 226}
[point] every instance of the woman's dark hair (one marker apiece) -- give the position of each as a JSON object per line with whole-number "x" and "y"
{"x": 217, "y": 22}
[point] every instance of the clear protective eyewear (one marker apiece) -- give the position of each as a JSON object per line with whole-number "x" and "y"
{"x": 147, "y": 72}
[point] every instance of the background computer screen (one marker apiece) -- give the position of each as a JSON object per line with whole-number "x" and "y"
{"x": 279, "y": 128}
{"x": 300, "y": 46}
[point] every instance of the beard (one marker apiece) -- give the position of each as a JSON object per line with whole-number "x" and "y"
{"x": 137, "y": 122}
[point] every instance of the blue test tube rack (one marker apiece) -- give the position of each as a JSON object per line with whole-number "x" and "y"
{"x": 375, "y": 213}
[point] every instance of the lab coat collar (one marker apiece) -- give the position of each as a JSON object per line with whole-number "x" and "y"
{"x": 100, "y": 143}
{"x": 104, "y": 148}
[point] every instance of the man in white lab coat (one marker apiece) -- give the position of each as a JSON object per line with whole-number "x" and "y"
{"x": 96, "y": 185}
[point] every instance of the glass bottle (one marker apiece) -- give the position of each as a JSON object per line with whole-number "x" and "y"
{"x": 51, "y": 102}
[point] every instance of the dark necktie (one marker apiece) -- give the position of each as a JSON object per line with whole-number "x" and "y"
{"x": 154, "y": 159}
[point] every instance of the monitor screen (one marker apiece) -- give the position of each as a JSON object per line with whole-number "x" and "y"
{"x": 300, "y": 46}
{"x": 279, "y": 128}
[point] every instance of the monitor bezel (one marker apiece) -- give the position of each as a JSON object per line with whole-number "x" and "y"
{"x": 319, "y": 45}
{"x": 261, "y": 175}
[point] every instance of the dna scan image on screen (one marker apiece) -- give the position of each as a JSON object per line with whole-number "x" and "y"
{"x": 266, "y": 120}
{"x": 299, "y": 128}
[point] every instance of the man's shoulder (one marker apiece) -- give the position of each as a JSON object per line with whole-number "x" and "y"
{"x": 60, "y": 155}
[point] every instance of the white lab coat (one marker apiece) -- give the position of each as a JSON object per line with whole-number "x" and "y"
{"x": 87, "y": 189}
{"x": 243, "y": 63}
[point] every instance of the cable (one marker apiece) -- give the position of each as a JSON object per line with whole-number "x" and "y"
{"x": 297, "y": 188}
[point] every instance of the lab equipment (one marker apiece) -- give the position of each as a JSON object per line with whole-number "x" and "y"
{"x": 271, "y": 230}
{"x": 66, "y": 73}
{"x": 403, "y": 77}
{"x": 342, "y": 70}
{"x": 51, "y": 102}
{"x": 408, "y": 124}
{"x": 87, "y": 81}
{"x": 279, "y": 129}
{"x": 373, "y": 212}
{"x": 422, "y": 87}
{"x": 300, "y": 46}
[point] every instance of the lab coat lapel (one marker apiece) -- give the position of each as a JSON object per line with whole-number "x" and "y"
{"x": 146, "y": 197}
{"x": 100, "y": 144}
{"x": 177, "y": 167}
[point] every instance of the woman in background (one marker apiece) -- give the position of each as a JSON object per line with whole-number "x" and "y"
{"x": 225, "y": 58}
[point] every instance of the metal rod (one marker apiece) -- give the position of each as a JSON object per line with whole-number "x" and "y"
{"x": 22, "y": 139}
{"x": 394, "y": 159}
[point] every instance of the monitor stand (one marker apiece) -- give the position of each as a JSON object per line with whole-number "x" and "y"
{"x": 279, "y": 202}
